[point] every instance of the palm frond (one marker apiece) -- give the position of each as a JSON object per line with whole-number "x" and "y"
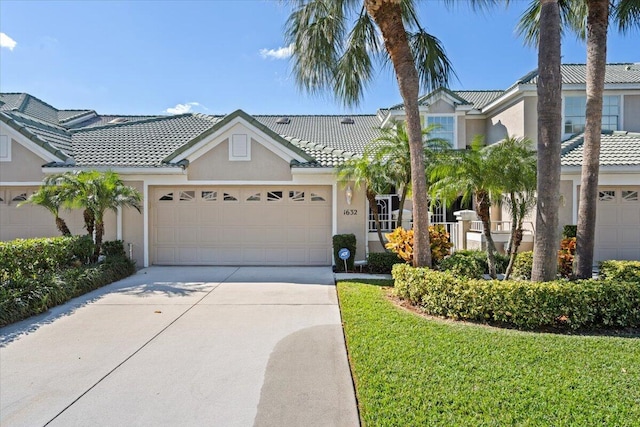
{"x": 626, "y": 13}
{"x": 433, "y": 65}
{"x": 573, "y": 16}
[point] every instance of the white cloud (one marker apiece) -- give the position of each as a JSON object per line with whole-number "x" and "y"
{"x": 6, "y": 41}
{"x": 279, "y": 53}
{"x": 184, "y": 108}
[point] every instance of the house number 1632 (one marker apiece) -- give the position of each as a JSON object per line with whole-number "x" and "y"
{"x": 350, "y": 212}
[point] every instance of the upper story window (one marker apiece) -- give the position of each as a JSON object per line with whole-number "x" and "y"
{"x": 445, "y": 129}
{"x": 575, "y": 111}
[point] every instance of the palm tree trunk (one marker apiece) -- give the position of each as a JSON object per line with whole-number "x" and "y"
{"x": 403, "y": 198}
{"x": 514, "y": 221}
{"x": 484, "y": 213}
{"x": 89, "y": 221}
{"x": 62, "y": 226}
{"x": 545, "y": 253}
{"x": 99, "y": 235}
{"x": 517, "y": 239}
{"x": 597, "y": 22}
{"x": 388, "y": 16}
{"x": 373, "y": 204}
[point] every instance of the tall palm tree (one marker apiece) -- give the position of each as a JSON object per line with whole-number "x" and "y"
{"x": 515, "y": 161}
{"x": 574, "y": 15}
{"x": 329, "y": 55}
{"x": 366, "y": 172}
{"x": 470, "y": 174}
{"x": 48, "y": 196}
{"x": 393, "y": 151}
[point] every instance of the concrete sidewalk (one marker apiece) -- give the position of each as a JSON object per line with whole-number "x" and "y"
{"x": 194, "y": 346}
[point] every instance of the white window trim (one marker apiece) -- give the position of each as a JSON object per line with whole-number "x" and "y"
{"x": 6, "y": 138}
{"x": 455, "y": 124}
{"x": 583, "y": 94}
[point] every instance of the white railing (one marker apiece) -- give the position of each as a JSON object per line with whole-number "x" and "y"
{"x": 452, "y": 230}
{"x": 501, "y": 227}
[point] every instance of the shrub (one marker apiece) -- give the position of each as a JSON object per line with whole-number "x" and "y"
{"x": 382, "y": 262}
{"x": 463, "y": 265}
{"x": 523, "y": 265}
{"x": 480, "y": 257}
{"x": 582, "y": 304}
{"x": 23, "y": 296}
{"x": 34, "y": 257}
{"x": 625, "y": 271}
{"x": 344, "y": 241}
{"x": 113, "y": 248}
{"x": 569, "y": 231}
{"x": 565, "y": 257}
{"x": 401, "y": 243}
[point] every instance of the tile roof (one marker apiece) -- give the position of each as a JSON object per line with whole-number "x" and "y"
{"x": 103, "y": 120}
{"x": 478, "y": 98}
{"x": 327, "y": 131}
{"x": 577, "y": 74}
{"x": 616, "y": 149}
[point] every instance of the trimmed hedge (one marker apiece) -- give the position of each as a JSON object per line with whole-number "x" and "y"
{"x": 626, "y": 271}
{"x": 382, "y": 262}
{"x": 581, "y": 304}
{"x": 522, "y": 266}
{"x": 34, "y": 257}
{"x": 23, "y": 296}
{"x": 472, "y": 264}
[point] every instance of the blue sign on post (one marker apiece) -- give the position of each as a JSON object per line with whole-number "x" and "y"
{"x": 344, "y": 255}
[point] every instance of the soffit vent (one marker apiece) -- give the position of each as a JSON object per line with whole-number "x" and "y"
{"x": 347, "y": 121}
{"x": 283, "y": 121}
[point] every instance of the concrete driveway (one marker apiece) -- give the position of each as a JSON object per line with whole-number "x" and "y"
{"x": 184, "y": 346}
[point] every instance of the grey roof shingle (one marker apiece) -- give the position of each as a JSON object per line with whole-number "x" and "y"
{"x": 478, "y": 98}
{"x": 328, "y": 131}
{"x": 616, "y": 149}
{"x": 577, "y": 74}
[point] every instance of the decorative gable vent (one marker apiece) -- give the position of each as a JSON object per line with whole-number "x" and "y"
{"x": 118, "y": 120}
{"x": 347, "y": 121}
{"x": 283, "y": 121}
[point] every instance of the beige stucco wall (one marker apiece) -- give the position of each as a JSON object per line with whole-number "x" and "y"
{"x": 353, "y": 218}
{"x": 133, "y": 227}
{"x": 565, "y": 214}
{"x": 530, "y": 119}
{"x": 24, "y": 166}
{"x": 441, "y": 107}
{"x": 473, "y": 127}
{"x": 632, "y": 113}
{"x": 215, "y": 165}
{"x": 506, "y": 122}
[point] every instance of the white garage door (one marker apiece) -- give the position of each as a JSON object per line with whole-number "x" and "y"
{"x": 275, "y": 225}
{"x": 618, "y": 224}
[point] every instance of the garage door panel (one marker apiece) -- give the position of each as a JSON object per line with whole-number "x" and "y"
{"x": 629, "y": 254}
{"x": 630, "y": 215}
{"x": 242, "y": 225}
{"x": 607, "y": 214}
{"x": 631, "y": 236}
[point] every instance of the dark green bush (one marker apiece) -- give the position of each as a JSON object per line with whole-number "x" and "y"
{"x": 23, "y": 296}
{"x": 463, "y": 265}
{"x": 569, "y": 231}
{"x": 480, "y": 258}
{"x": 626, "y": 271}
{"x": 344, "y": 241}
{"x": 582, "y": 304}
{"x": 34, "y": 257}
{"x": 113, "y": 248}
{"x": 382, "y": 262}
{"x": 522, "y": 266}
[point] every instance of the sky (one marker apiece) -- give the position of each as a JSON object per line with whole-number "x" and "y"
{"x": 213, "y": 57}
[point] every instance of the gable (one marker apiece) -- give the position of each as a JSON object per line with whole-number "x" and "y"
{"x": 215, "y": 163}
{"x": 23, "y": 166}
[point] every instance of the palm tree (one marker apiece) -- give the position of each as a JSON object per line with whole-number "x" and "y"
{"x": 48, "y": 196}
{"x": 366, "y": 172}
{"x": 327, "y": 56}
{"x": 74, "y": 192}
{"x": 515, "y": 162}
{"x": 471, "y": 174}
{"x": 574, "y": 15}
{"x": 97, "y": 192}
{"x": 393, "y": 151}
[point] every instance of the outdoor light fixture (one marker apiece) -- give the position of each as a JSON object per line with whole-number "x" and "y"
{"x": 349, "y": 194}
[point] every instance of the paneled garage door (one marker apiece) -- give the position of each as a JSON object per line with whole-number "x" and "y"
{"x": 618, "y": 224}
{"x": 275, "y": 225}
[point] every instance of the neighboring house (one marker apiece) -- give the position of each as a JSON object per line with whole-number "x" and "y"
{"x": 242, "y": 189}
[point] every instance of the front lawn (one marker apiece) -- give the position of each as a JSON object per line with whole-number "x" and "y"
{"x": 415, "y": 371}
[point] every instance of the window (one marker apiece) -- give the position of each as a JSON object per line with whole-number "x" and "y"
{"x": 20, "y": 197}
{"x": 274, "y": 196}
{"x": 187, "y": 196}
{"x": 209, "y": 196}
{"x": 629, "y": 196}
{"x": 317, "y": 198}
{"x": 296, "y": 196}
{"x": 607, "y": 196}
{"x": 229, "y": 198}
{"x": 254, "y": 198}
{"x": 575, "y": 111}
{"x": 167, "y": 197}
{"x": 445, "y": 129}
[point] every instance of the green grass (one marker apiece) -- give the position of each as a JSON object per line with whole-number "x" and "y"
{"x": 413, "y": 371}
